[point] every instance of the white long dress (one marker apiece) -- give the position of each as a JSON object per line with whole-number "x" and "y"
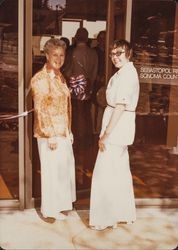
{"x": 57, "y": 176}
{"x": 112, "y": 196}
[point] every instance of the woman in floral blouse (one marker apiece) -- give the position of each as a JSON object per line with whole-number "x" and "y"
{"x": 52, "y": 128}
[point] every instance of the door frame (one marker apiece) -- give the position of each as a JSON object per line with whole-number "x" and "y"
{"x": 28, "y": 22}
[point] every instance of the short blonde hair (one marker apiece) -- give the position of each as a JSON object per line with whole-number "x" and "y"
{"x": 53, "y": 43}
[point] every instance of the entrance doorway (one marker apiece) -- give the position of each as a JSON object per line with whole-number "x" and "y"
{"x": 63, "y": 21}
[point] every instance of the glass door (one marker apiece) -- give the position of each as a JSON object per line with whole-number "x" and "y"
{"x": 11, "y": 104}
{"x": 62, "y": 19}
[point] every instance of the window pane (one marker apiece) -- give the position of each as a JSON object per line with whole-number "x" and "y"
{"x": 155, "y": 152}
{"x": 9, "y": 181}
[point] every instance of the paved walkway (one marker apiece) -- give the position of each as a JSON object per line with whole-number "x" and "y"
{"x": 155, "y": 229}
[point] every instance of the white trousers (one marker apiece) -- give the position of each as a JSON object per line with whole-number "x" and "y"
{"x": 112, "y": 196}
{"x": 57, "y": 176}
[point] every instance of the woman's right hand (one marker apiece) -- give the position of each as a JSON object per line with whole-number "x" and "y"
{"x": 52, "y": 143}
{"x": 71, "y": 137}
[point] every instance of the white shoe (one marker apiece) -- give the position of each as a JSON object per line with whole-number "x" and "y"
{"x": 129, "y": 222}
{"x": 98, "y": 228}
{"x": 61, "y": 216}
{"x": 114, "y": 226}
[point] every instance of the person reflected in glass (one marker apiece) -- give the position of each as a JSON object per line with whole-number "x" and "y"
{"x": 52, "y": 128}
{"x": 112, "y": 197}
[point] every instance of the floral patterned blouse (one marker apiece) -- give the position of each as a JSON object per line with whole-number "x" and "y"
{"x": 52, "y": 105}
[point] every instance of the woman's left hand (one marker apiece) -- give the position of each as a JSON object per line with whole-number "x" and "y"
{"x": 117, "y": 112}
{"x": 101, "y": 142}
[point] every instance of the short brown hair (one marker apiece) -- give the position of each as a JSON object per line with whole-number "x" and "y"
{"x": 124, "y": 44}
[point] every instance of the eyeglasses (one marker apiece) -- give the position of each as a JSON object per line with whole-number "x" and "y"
{"x": 117, "y": 54}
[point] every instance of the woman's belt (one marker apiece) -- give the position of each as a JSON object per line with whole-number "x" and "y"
{"x": 124, "y": 110}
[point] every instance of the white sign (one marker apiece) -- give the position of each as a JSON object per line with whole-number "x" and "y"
{"x": 158, "y": 74}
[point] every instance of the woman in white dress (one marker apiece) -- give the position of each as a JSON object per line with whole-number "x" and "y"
{"x": 112, "y": 196}
{"x": 52, "y": 128}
